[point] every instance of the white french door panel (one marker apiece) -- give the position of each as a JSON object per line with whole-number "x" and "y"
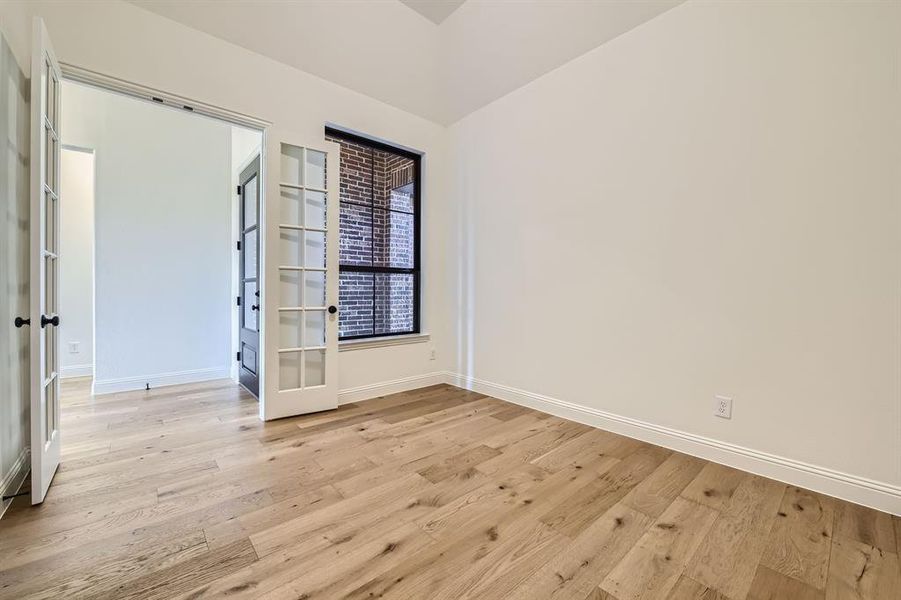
{"x": 45, "y": 212}
{"x": 300, "y": 286}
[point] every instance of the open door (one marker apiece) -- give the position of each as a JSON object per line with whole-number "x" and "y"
{"x": 249, "y": 277}
{"x": 300, "y": 298}
{"x": 45, "y": 198}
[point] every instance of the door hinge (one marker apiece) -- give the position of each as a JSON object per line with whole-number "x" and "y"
{"x": 239, "y": 190}
{"x": 238, "y": 300}
{"x": 238, "y": 357}
{"x": 238, "y": 244}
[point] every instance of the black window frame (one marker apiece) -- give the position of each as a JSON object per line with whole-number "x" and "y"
{"x": 339, "y": 134}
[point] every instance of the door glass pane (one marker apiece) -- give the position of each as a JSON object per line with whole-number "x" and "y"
{"x": 289, "y": 370}
{"x": 289, "y": 286}
{"x": 248, "y": 302}
{"x": 45, "y": 86}
{"x": 315, "y": 329}
{"x": 250, "y": 202}
{"x": 292, "y": 165}
{"x": 249, "y": 358}
{"x": 314, "y": 249}
{"x": 49, "y": 287}
{"x": 315, "y": 209}
{"x": 250, "y": 253}
{"x": 315, "y": 367}
{"x": 49, "y": 223}
{"x": 291, "y": 250}
{"x": 289, "y": 328}
{"x": 52, "y": 87}
{"x": 315, "y": 169}
{"x": 49, "y": 412}
{"x": 48, "y": 355}
{"x": 50, "y": 159}
{"x": 314, "y": 288}
{"x": 291, "y": 206}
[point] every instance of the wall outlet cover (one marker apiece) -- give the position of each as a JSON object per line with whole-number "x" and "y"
{"x": 722, "y": 407}
{"x": 74, "y": 347}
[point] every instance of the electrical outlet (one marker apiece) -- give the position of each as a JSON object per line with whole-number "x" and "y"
{"x": 73, "y": 347}
{"x": 722, "y": 407}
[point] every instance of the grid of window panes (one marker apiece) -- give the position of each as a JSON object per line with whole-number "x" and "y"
{"x": 302, "y": 268}
{"x": 379, "y": 268}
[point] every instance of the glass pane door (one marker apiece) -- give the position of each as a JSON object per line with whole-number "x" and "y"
{"x": 302, "y": 231}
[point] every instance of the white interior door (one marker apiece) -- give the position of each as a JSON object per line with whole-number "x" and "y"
{"x": 300, "y": 289}
{"x": 45, "y": 149}
{"x": 45, "y": 199}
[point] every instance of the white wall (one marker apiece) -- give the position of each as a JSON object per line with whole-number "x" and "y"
{"x": 163, "y": 239}
{"x": 122, "y": 40}
{"x": 14, "y": 271}
{"x": 706, "y": 205}
{"x": 76, "y": 274}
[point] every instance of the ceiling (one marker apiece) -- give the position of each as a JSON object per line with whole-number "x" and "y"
{"x": 463, "y": 55}
{"x": 434, "y": 10}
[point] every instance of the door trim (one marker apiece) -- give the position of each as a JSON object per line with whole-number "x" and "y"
{"x": 149, "y": 94}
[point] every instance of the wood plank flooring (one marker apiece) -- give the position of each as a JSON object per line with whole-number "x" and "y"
{"x": 437, "y": 494}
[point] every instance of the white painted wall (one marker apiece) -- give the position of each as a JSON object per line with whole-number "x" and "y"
{"x": 706, "y": 205}
{"x": 14, "y": 270}
{"x": 76, "y": 274}
{"x": 163, "y": 239}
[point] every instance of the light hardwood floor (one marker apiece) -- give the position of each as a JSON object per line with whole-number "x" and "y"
{"x": 437, "y": 494}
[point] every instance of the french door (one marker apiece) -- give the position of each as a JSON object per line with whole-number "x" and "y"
{"x": 249, "y": 282}
{"x": 45, "y": 199}
{"x": 301, "y": 266}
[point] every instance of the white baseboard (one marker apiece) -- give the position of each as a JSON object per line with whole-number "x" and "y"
{"x": 76, "y": 371}
{"x": 12, "y": 481}
{"x": 127, "y": 384}
{"x": 383, "y": 388}
{"x": 860, "y": 490}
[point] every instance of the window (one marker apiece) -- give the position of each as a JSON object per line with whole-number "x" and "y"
{"x": 379, "y": 238}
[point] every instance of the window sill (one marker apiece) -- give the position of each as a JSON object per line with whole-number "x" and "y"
{"x": 382, "y": 342}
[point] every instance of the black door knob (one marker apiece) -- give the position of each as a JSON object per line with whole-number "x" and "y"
{"x": 20, "y": 322}
{"x": 332, "y": 309}
{"x": 49, "y": 321}
{"x": 254, "y": 307}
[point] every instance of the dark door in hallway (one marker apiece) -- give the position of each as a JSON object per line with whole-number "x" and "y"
{"x": 249, "y": 273}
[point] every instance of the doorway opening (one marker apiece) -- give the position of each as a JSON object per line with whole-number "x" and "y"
{"x": 151, "y": 274}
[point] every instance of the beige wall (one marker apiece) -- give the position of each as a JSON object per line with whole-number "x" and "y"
{"x": 708, "y": 204}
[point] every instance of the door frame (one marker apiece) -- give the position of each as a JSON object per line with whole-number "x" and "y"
{"x": 77, "y": 74}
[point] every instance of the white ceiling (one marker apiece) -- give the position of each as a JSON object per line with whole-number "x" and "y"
{"x": 434, "y": 10}
{"x": 480, "y": 51}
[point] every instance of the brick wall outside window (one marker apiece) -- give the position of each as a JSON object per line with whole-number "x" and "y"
{"x": 377, "y": 229}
